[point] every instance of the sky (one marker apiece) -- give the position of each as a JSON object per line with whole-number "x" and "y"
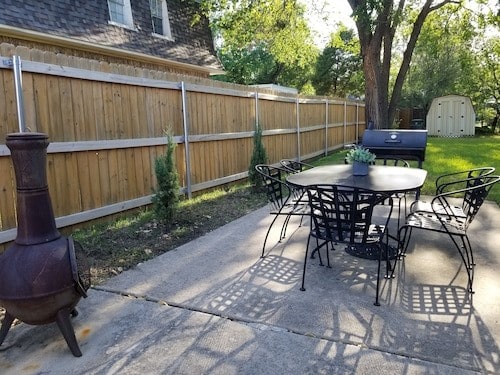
{"x": 323, "y": 16}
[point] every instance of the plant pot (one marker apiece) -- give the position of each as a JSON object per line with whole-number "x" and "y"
{"x": 359, "y": 169}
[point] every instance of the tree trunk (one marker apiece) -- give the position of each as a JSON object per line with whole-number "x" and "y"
{"x": 376, "y": 35}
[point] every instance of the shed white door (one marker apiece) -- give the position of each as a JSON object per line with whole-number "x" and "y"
{"x": 452, "y": 117}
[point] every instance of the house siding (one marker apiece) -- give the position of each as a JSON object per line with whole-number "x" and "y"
{"x": 88, "y": 21}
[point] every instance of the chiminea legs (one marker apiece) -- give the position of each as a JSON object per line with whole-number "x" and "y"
{"x": 64, "y": 323}
{"x": 7, "y": 322}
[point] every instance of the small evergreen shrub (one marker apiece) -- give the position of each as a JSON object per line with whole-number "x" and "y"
{"x": 166, "y": 198}
{"x": 259, "y": 156}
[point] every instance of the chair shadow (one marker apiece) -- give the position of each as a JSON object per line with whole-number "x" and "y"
{"x": 449, "y": 325}
{"x": 278, "y": 269}
{"x": 249, "y": 296}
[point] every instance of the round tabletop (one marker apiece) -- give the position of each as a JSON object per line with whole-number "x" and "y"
{"x": 380, "y": 178}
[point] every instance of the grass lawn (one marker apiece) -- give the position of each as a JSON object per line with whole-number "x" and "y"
{"x": 446, "y": 155}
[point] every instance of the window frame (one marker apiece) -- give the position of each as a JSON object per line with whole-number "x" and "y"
{"x": 167, "y": 32}
{"x": 128, "y": 21}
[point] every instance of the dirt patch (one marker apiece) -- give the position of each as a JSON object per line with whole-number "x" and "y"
{"x": 114, "y": 247}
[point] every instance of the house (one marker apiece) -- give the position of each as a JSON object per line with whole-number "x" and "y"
{"x": 152, "y": 34}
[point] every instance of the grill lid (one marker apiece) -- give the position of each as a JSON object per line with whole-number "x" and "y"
{"x": 398, "y": 139}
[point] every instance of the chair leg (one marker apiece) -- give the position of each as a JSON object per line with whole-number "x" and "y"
{"x": 377, "y": 303}
{"x": 405, "y": 239}
{"x": 404, "y": 235}
{"x": 328, "y": 256}
{"x": 267, "y": 235}
{"x": 389, "y": 268}
{"x": 284, "y": 227}
{"x": 305, "y": 263}
{"x": 465, "y": 259}
{"x": 468, "y": 249}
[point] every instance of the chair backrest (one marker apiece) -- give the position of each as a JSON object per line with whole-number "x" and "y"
{"x": 476, "y": 193}
{"x": 468, "y": 177}
{"x": 294, "y": 166}
{"x": 344, "y": 214}
{"x": 387, "y": 161}
{"x": 277, "y": 191}
{"x": 472, "y": 191}
{"x": 397, "y": 162}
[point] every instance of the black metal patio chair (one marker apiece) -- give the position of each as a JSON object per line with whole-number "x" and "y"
{"x": 443, "y": 216}
{"x": 342, "y": 215}
{"x": 295, "y": 166}
{"x": 395, "y": 162}
{"x": 450, "y": 182}
{"x": 284, "y": 200}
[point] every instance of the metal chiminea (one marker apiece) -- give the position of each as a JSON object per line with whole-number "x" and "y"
{"x": 40, "y": 279}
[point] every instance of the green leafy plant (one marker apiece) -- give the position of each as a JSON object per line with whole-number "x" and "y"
{"x": 360, "y": 154}
{"x": 259, "y": 156}
{"x": 166, "y": 195}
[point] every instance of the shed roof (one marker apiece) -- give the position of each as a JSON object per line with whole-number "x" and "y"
{"x": 88, "y": 21}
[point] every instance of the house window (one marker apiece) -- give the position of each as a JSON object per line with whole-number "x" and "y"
{"x": 120, "y": 12}
{"x": 159, "y": 18}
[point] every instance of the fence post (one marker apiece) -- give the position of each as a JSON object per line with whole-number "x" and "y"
{"x": 18, "y": 83}
{"x": 326, "y": 126}
{"x": 186, "y": 139}
{"x": 345, "y": 123}
{"x": 357, "y": 122}
{"x": 298, "y": 128}
{"x": 256, "y": 109}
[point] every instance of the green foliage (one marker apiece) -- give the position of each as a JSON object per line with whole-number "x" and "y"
{"x": 248, "y": 66}
{"x": 262, "y": 41}
{"x": 166, "y": 198}
{"x": 339, "y": 69}
{"x": 259, "y": 156}
{"x": 361, "y": 154}
{"x": 443, "y": 60}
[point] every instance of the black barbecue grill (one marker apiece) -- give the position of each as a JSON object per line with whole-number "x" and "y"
{"x": 403, "y": 144}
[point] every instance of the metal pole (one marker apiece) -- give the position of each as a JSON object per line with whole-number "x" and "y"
{"x": 256, "y": 110}
{"x": 299, "y": 158}
{"x": 345, "y": 122}
{"x": 357, "y": 122}
{"x": 18, "y": 83}
{"x": 326, "y": 127}
{"x": 186, "y": 139}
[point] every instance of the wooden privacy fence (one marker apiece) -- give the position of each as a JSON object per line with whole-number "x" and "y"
{"x": 107, "y": 129}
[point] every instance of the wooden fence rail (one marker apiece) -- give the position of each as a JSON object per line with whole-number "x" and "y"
{"x": 107, "y": 129}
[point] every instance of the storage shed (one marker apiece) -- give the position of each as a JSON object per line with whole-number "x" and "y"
{"x": 451, "y": 116}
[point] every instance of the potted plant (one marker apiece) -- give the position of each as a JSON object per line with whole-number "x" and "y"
{"x": 360, "y": 158}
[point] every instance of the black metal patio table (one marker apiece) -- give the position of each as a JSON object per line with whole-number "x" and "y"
{"x": 380, "y": 178}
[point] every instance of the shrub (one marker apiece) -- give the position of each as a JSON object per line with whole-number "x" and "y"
{"x": 259, "y": 156}
{"x": 166, "y": 198}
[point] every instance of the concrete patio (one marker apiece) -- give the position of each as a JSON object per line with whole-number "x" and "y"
{"x": 213, "y": 306}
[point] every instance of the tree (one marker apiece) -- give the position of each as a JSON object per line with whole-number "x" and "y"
{"x": 377, "y": 22}
{"x": 166, "y": 195}
{"x": 259, "y": 156}
{"x": 443, "y": 59}
{"x": 338, "y": 69}
{"x": 488, "y": 93}
{"x": 267, "y": 40}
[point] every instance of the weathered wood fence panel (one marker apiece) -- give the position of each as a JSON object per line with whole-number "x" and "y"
{"x": 106, "y": 130}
